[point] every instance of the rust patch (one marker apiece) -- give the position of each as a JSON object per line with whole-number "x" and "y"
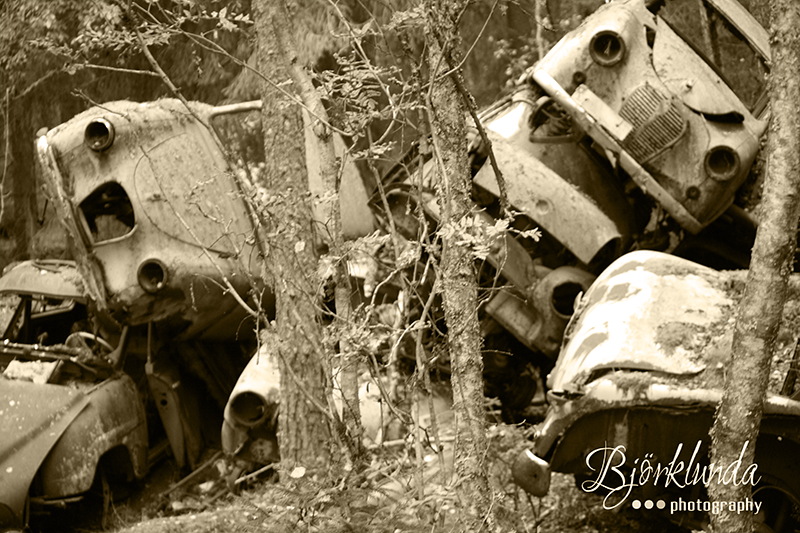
{"x": 672, "y": 335}
{"x": 589, "y": 343}
{"x": 619, "y": 292}
{"x": 627, "y": 266}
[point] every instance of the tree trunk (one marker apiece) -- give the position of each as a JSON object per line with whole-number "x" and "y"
{"x": 739, "y": 414}
{"x": 457, "y": 274}
{"x": 304, "y": 432}
{"x": 351, "y": 432}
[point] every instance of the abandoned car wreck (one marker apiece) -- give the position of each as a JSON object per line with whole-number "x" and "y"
{"x": 126, "y": 345}
{"x": 639, "y": 377}
{"x": 628, "y": 134}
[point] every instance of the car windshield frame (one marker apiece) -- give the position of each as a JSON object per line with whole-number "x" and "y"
{"x": 738, "y": 27}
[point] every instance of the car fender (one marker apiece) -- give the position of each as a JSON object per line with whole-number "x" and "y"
{"x": 32, "y": 419}
{"x": 114, "y": 416}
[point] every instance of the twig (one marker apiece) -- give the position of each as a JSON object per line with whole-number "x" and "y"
{"x": 5, "y": 156}
{"x": 119, "y": 70}
{"x": 35, "y": 84}
{"x": 401, "y": 442}
{"x": 193, "y": 475}
{"x": 255, "y": 474}
{"x": 473, "y": 111}
{"x": 81, "y": 94}
{"x": 418, "y": 440}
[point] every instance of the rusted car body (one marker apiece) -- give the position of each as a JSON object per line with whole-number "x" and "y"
{"x": 250, "y": 426}
{"x": 158, "y": 206}
{"x": 161, "y": 217}
{"x": 153, "y": 204}
{"x": 636, "y": 387}
{"x": 635, "y": 131}
{"x": 71, "y": 419}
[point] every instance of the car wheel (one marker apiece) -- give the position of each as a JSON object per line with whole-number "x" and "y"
{"x": 780, "y": 509}
{"x": 94, "y": 510}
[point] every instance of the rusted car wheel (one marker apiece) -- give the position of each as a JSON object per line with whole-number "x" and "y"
{"x": 94, "y": 510}
{"x": 780, "y": 512}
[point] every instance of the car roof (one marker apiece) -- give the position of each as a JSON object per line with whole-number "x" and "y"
{"x": 50, "y": 278}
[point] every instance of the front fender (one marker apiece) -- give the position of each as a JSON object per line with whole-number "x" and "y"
{"x": 32, "y": 418}
{"x": 114, "y": 416}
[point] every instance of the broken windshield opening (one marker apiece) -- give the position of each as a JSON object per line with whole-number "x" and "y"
{"x": 108, "y": 212}
{"x": 720, "y": 45}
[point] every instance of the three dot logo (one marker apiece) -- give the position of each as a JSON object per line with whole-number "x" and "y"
{"x": 649, "y": 504}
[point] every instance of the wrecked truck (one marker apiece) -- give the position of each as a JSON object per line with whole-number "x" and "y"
{"x": 633, "y": 395}
{"x": 637, "y": 130}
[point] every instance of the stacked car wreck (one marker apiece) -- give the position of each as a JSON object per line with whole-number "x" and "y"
{"x": 656, "y": 87}
{"x": 164, "y": 251}
{"x": 634, "y": 132}
{"x": 637, "y": 383}
{"x": 132, "y": 350}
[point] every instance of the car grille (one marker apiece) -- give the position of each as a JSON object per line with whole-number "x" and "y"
{"x": 657, "y": 123}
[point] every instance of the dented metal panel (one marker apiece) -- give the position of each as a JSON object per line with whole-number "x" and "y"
{"x": 113, "y": 417}
{"x": 575, "y": 201}
{"x": 647, "y": 311}
{"x": 159, "y": 210}
{"x": 51, "y": 278}
{"x": 32, "y": 418}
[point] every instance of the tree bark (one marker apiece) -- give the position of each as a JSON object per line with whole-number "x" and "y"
{"x": 457, "y": 275}
{"x": 304, "y": 432}
{"x": 739, "y": 414}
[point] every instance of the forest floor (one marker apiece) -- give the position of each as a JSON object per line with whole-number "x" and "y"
{"x": 385, "y": 500}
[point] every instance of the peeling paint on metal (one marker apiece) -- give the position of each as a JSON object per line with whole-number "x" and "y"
{"x": 657, "y": 312}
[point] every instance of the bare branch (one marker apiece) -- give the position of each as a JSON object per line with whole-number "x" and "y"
{"x": 6, "y": 155}
{"x": 120, "y": 70}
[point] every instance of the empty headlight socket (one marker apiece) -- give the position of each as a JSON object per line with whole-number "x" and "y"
{"x": 152, "y": 275}
{"x": 99, "y": 135}
{"x": 607, "y": 48}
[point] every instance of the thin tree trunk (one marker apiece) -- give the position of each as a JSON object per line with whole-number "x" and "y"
{"x": 739, "y": 414}
{"x": 457, "y": 274}
{"x": 304, "y": 432}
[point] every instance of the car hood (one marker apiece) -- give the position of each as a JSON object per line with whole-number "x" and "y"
{"x": 32, "y": 418}
{"x": 648, "y": 311}
{"x": 46, "y": 277}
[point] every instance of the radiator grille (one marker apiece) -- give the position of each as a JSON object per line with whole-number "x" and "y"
{"x": 657, "y": 123}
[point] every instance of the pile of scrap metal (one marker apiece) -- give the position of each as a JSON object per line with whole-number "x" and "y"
{"x": 634, "y": 392}
{"x": 110, "y": 359}
{"x": 635, "y": 131}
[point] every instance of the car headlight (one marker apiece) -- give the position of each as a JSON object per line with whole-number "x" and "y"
{"x": 99, "y": 134}
{"x": 607, "y": 48}
{"x": 722, "y": 163}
